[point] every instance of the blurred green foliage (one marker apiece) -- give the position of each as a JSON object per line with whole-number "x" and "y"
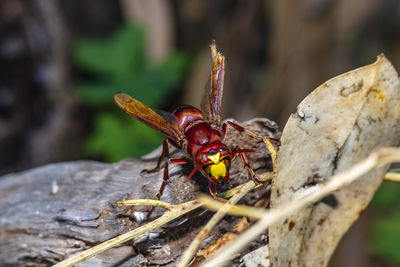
{"x": 385, "y": 238}
{"x": 385, "y": 227}
{"x": 118, "y": 64}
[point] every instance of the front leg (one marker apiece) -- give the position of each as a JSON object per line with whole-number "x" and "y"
{"x": 246, "y": 163}
{"x": 213, "y": 191}
{"x": 266, "y": 141}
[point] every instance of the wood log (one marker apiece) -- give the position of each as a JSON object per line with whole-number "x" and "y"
{"x": 53, "y": 211}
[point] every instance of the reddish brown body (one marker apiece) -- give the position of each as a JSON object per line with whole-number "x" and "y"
{"x": 198, "y": 133}
{"x": 201, "y": 138}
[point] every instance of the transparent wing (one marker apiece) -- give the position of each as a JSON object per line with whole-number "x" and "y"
{"x": 211, "y": 102}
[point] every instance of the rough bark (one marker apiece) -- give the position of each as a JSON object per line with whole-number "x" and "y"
{"x": 51, "y": 212}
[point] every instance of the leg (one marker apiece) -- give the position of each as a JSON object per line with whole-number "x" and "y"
{"x": 213, "y": 191}
{"x": 166, "y": 174}
{"x": 246, "y": 163}
{"x": 234, "y": 125}
{"x": 266, "y": 141}
{"x": 164, "y": 154}
{"x": 240, "y": 129}
{"x": 250, "y": 133}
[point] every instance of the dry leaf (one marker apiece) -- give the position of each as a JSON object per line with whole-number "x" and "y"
{"x": 239, "y": 227}
{"x": 337, "y": 125}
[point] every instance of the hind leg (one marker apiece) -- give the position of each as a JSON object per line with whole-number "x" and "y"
{"x": 166, "y": 174}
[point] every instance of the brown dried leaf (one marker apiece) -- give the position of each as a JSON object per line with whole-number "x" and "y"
{"x": 337, "y": 125}
{"x": 239, "y": 227}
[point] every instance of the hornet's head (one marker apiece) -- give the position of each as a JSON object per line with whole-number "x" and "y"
{"x": 214, "y": 161}
{"x": 217, "y": 165}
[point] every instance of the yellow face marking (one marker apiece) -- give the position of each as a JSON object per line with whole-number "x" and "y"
{"x": 218, "y": 169}
{"x": 214, "y": 158}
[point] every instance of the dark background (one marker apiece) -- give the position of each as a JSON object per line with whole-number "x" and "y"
{"x": 61, "y": 62}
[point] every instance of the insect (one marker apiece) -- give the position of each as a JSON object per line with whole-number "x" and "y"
{"x": 199, "y": 133}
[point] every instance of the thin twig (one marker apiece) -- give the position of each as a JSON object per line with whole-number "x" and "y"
{"x": 191, "y": 250}
{"x": 272, "y": 150}
{"x": 236, "y": 210}
{"x": 392, "y": 176}
{"x": 257, "y": 213}
{"x": 377, "y": 158}
{"x": 148, "y": 202}
{"x": 263, "y": 177}
{"x": 172, "y": 213}
{"x": 239, "y": 227}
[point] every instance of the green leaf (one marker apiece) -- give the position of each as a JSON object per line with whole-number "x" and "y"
{"x": 118, "y": 137}
{"x": 97, "y": 94}
{"x": 159, "y": 81}
{"x": 385, "y": 236}
{"x": 172, "y": 69}
{"x": 386, "y": 198}
{"x": 117, "y": 57}
{"x": 119, "y": 64}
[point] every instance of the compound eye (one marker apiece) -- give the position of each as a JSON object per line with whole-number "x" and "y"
{"x": 203, "y": 158}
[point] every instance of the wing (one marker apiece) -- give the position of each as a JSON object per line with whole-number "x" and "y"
{"x": 211, "y": 102}
{"x": 146, "y": 115}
